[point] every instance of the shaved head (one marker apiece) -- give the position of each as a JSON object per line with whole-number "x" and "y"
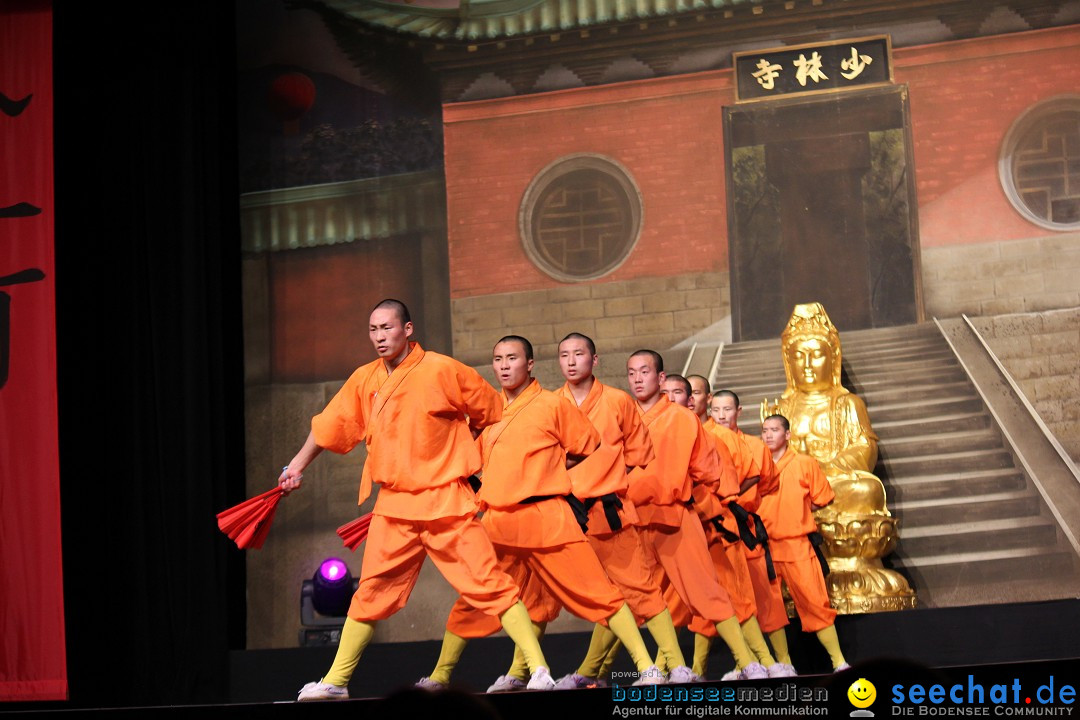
{"x": 584, "y": 338}
{"x": 397, "y": 306}
{"x": 525, "y": 344}
{"x": 657, "y": 360}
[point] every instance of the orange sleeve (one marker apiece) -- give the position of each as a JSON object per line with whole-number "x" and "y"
{"x": 476, "y": 398}
{"x": 713, "y": 474}
{"x": 770, "y": 476}
{"x": 727, "y": 483}
{"x": 752, "y": 463}
{"x": 340, "y": 426}
{"x": 820, "y": 491}
{"x": 740, "y": 456}
{"x": 637, "y": 445}
{"x": 665, "y": 480}
{"x": 576, "y": 432}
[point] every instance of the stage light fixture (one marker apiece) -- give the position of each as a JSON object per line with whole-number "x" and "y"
{"x": 324, "y": 602}
{"x": 331, "y": 588}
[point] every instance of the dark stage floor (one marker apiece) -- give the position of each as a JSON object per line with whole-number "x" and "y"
{"x": 1002, "y": 661}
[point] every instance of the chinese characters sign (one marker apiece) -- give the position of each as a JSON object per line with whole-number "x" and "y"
{"x": 803, "y": 69}
{"x": 33, "y": 663}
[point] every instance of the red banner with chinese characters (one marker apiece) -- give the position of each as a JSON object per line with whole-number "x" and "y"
{"x": 32, "y": 648}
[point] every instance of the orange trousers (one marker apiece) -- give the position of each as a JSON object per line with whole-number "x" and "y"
{"x": 570, "y": 574}
{"x": 734, "y": 576}
{"x": 771, "y": 613}
{"x": 460, "y": 549}
{"x": 690, "y": 585}
{"x": 806, "y": 585}
{"x": 627, "y": 565}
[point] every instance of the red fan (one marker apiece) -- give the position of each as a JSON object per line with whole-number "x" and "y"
{"x": 249, "y": 522}
{"x": 355, "y": 532}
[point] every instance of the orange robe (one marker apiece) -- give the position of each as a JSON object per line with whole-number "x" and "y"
{"x": 524, "y": 457}
{"x": 728, "y": 555}
{"x": 624, "y": 442}
{"x": 771, "y": 613}
{"x": 789, "y": 518}
{"x": 686, "y": 467}
{"x": 416, "y": 423}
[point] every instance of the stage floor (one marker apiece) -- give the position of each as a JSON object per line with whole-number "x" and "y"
{"x": 1003, "y": 660}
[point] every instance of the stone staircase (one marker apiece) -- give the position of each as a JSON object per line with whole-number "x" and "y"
{"x": 974, "y": 527}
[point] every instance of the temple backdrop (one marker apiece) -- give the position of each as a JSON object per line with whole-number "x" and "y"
{"x": 505, "y": 130}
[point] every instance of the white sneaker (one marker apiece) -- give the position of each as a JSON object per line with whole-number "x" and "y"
{"x": 426, "y": 683}
{"x": 781, "y": 670}
{"x": 322, "y": 691}
{"x": 541, "y": 680}
{"x": 507, "y": 683}
{"x": 573, "y": 681}
{"x": 650, "y": 676}
{"x": 754, "y": 671}
{"x": 843, "y": 666}
{"x": 682, "y": 675}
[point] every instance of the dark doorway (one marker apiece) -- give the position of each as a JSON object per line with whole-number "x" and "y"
{"x": 821, "y": 207}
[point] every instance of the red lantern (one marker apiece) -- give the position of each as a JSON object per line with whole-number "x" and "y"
{"x": 291, "y": 95}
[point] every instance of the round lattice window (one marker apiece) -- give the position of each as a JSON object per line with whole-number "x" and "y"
{"x": 580, "y": 217}
{"x": 1039, "y": 165}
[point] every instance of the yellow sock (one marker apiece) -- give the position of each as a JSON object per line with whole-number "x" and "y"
{"x": 778, "y": 638}
{"x": 613, "y": 653}
{"x": 519, "y": 627}
{"x": 623, "y": 624}
{"x": 669, "y": 655}
{"x": 601, "y": 643}
{"x": 452, "y": 647}
{"x": 756, "y": 641}
{"x": 731, "y": 633}
{"x": 827, "y": 637}
{"x": 355, "y": 636}
{"x": 518, "y": 667}
{"x": 702, "y": 645}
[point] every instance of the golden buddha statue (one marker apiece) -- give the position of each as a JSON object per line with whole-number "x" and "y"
{"x": 831, "y": 424}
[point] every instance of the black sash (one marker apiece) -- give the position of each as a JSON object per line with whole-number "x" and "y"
{"x": 816, "y": 540}
{"x": 581, "y": 513}
{"x": 474, "y": 483}
{"x": 718, "y": 525}
{"x": 612, "y": 505}
{"x": 752, "y": 537}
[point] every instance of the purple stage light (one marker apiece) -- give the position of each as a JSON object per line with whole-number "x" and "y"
{"x": 332, "y": 588}
{"x": 333, "y": 570}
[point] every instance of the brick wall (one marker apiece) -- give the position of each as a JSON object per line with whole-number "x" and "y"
{"x": 1042, "y": 352}
{"x": 964, "y": 98}
{"x": 995, "y": 278}
{"x": 619, "y": 316}
{"x": 667, "y": 133}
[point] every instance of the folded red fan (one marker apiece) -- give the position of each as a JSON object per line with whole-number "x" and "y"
{"x": 353, "y": 533}
{"x": 249, "y": 522}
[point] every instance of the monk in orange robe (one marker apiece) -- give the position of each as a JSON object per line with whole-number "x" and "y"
{"x": 417, "y": 412}
{"x": 532, "y": 517}
{"x": 789, "y": 517}
{"x": 601, "y": 482}
{"x": 686, "y": 472}
{"x": 723, "y": 533}
{"x": 725, "y": 410}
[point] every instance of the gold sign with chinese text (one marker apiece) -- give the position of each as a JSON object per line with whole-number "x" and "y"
{"x": 803, "y": 69}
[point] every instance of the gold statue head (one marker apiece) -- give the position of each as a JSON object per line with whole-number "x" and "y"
{"x": 811, "y": 350}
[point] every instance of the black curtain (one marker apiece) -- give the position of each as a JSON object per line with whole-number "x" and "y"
{"x": 150, "y": 367}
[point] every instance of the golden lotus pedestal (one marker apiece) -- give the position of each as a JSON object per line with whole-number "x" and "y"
{"x": 857, "y": 580}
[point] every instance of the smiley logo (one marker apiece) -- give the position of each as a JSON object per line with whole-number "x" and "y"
{"x": 862, "y": 693}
